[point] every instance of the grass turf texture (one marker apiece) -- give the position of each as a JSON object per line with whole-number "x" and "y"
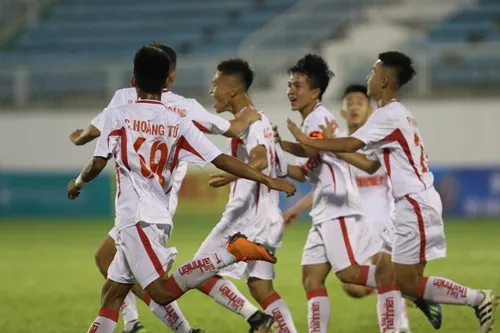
{"x": 49, "y": 282}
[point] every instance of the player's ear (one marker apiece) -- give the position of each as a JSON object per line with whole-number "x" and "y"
{"x": 132, "y": 81}
{"x": 316, "y": 93}
{"x": 171, "y": 77}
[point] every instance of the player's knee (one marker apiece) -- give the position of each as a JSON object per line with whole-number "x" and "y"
{"x": 405, "y": 285}
{"x": 159, "y": 293}
{"x": 355, "y": 291}
{"x": 104, "y": 255}
{"x": 384, "y": 275}
{"x": 348, "y": 275}
{"x": 260, "y": 289}
{"x": 311, "y": 283}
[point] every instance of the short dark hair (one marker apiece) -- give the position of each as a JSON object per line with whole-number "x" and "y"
{"x": 401, "y": 63}
{"x": 151, "y": 69}
{"x": 238, "y": 67}
{"x": 356, "y": 88}
{"x": 316, "y": 69}
{"x": 168, "y": 50}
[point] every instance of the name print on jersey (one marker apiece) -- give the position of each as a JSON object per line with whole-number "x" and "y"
{"x": 153, "y": 129}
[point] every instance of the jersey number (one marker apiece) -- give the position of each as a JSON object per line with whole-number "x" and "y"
{"x": 423, "y": 157}
{"x": 154, "y": 168}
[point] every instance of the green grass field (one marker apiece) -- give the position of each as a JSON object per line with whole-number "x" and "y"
{"x": 49, "y": 283}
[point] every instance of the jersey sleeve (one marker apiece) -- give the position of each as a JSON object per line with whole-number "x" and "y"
{"x": 109, "y": 138}
{"x": 194, "y": 146}
{"x": 255, "y": 136}
{"x": 98, "y": 121}
{"x": 378, "y": 126}
{"x": 206, "y": 121}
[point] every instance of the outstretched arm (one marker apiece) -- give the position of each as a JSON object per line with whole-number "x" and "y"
{"x": 296, "y": 210}
{"x": 296, "y": 172}
{"x": 360, "y": 161}
{"x": 236, "y": 167}
{"x": 81, "y": 137}
{"x": 242, "y": 122}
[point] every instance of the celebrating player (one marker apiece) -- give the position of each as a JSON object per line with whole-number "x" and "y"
{"x": 171, "y": 315}
{"x": 252, "y": 209}
{"x": 393, "y": 134}
{"x": 147, "y": 143}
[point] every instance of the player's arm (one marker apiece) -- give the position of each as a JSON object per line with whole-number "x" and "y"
{"x": 241, "y": 124}
{"x": 258, "y": 161}
{"x": 293, "y": 148}
{"x": 239, "y": 169}
{"x": 81, "y": 137}
{"x": 296, "y": 172}
{"x": 360, "y": 161}
{"x": 296, "y": 210}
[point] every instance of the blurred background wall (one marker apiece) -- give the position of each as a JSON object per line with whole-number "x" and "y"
{"x": 61, "y": 61}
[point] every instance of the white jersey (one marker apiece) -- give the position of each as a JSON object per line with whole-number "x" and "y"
{"x": 335, "y": 193}
{"x": 248, "y": 199}
{"x": 392, "y": 132}
{"x": 147, "y": 143}
{"x": 187, "y": 108}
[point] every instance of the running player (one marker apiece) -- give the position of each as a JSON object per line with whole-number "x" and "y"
{"x": 393, "y": 134}
{"x": 147, "y": 143}
{"x": 205, "y": 121}
{"x": 252, "y": 209}
{"x": 336, "y": 212}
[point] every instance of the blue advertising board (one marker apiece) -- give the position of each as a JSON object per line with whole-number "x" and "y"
{"x": 465, "y": 192}
{"x": 43, "y": 194}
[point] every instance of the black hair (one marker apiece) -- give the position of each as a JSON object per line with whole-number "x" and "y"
{"x": 401, "y": 63}
{"x": 316, "y": 69}
{"x": 168, "y": 50}
{"x": 238, "y": 67}
{"x": 356, "y": 88}
{"x": 151, "y": 69}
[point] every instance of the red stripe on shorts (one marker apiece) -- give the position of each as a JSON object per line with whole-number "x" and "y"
{"x": 347, "y": 243}
{"x": 149, "y": 250}
{"x": 421, "y": 227}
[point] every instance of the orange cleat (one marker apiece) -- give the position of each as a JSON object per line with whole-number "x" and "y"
{"x": 245, "y": 250}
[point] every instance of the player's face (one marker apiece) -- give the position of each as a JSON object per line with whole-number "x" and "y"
{"x": 357, "y": 108}
{"x": 300, "y": 93}
{"x": 375, "y": 79}
{"x": 222, "y": 92}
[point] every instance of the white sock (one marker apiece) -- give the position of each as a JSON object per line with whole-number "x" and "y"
{"x": 444, "y": 291}
{"x": 405, "y": 322}
{"x": 275, "y": 306}
{"x": 195, "y": 272}
{"x": 227, "y": 294}
{"x": 129, "y": 311}
{"x": 172, "y": 316}
{"x": 389, "y": 308}
{"x": 106, "y": 322}
{"x": 318, "y": 311}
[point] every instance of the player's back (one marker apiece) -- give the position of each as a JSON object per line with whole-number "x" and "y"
{"x": 402, "y": 152}
{"x": 335, "y": 192}
{"x": 143, "y": 136}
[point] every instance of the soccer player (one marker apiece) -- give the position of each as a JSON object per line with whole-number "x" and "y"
{"x": 336, "y": 212}
{"x": 393, "y": 134}
{"x": 205, "y": 121}
{"x": 252, "y": 209}
{"x": 147, "y": 143}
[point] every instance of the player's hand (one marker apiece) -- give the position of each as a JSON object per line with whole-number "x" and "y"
{"x": 250, "y": 114}
{"x": 282, "y": 185}
{"x": 295, "y": 130}
{"x": 75, "y": 136}
{"x": 220, "y": 179}
{"x": 73, "y": 190}
{"x": 289, "y": 216}
{"x": 328, "y": 130}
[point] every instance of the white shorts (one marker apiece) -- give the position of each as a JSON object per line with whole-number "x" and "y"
{"x": 217, "y": 239}
{"x": 141, "y": 255}
{"x": 113, "y": 233}
{"x": 338, "y": 242}
{"x": 368, "y": 240}
{"x": 419, "y": 231}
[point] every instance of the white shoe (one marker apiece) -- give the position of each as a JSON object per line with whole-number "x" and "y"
{"x": 485, "y": 311}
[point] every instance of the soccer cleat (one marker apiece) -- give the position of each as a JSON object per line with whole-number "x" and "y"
{"x": 245, "y": 250}
{"x": 196, "y": 330}
{"x": 137, "y": 328}
{"x": 261, "y": 322}
{"x": 485, "y": 311}
{"x": 432, "y": 311}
